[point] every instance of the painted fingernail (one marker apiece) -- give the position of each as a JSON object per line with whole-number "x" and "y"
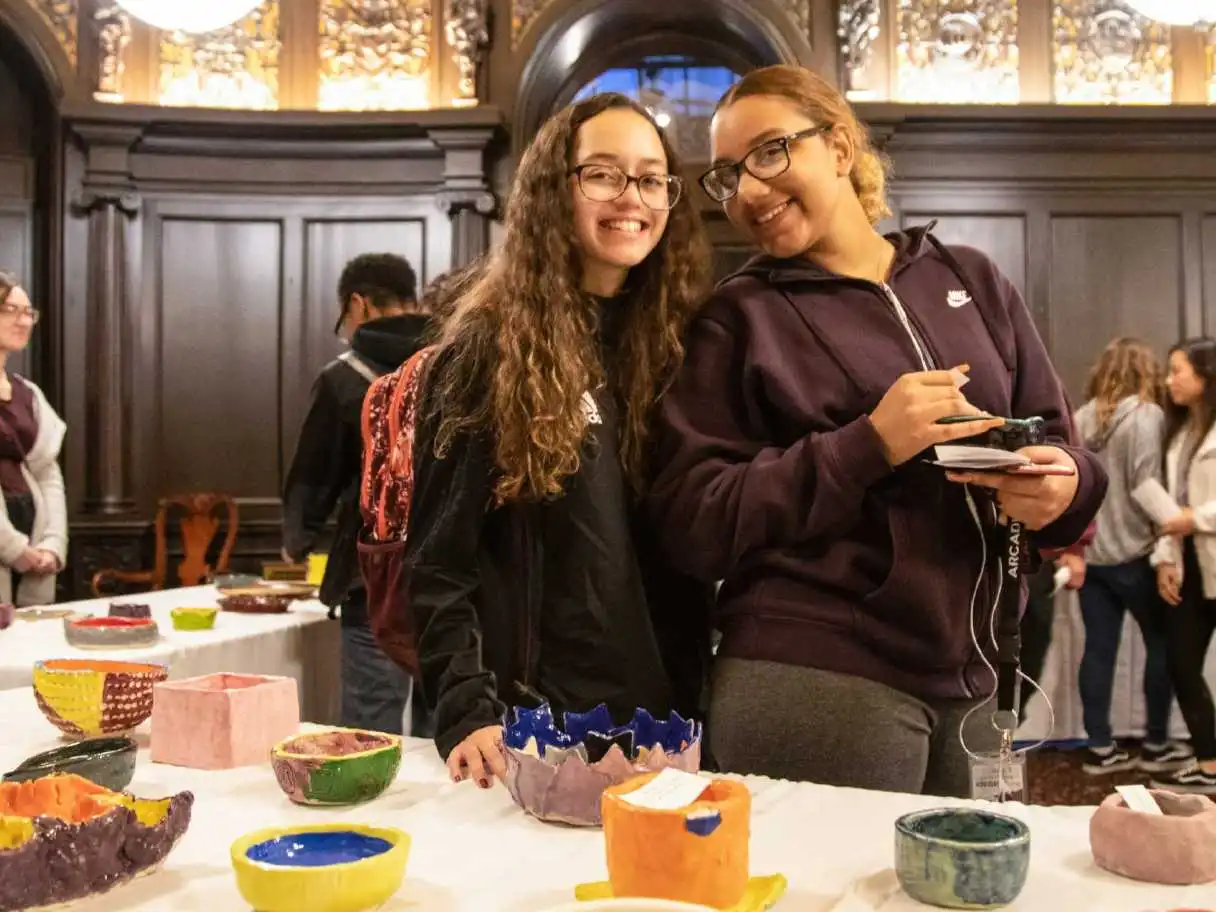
{"x": 483, "y": 783}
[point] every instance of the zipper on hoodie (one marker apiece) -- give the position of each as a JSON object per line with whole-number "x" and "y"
{"x": 927, "y": 363}
{"x": 922, "y": 349}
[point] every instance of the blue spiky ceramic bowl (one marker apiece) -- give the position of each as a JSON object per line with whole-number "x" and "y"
{"x": 558, "y": 774}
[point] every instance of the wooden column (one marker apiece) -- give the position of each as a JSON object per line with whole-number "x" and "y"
{"x": 1035, "y": 46}
{"x": 1189, "y": 48}
{"x": 109, "y": 202}
{"x": 466, "y": 195}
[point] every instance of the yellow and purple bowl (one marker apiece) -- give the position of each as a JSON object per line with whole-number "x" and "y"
{"x": 88, "y": 698}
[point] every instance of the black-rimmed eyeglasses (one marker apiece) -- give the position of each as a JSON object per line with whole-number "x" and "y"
{"x": 768, "y": 160}
{"x": 604, "y": 183}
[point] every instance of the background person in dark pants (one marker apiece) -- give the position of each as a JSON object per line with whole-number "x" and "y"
{"x": 1039, "y": 616}
{"x": 384, "y": 323}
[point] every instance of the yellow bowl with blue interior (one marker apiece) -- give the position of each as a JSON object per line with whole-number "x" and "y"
{"x": 323, "y": 867}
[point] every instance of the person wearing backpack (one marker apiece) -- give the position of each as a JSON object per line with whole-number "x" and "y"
{"x": 532, "y": 575}
{"x": 381, "y": 318}
{"x": 858, "y": 579}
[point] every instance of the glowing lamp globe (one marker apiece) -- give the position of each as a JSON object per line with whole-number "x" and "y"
{"x": 189, "y": 15}
{"x": 1177, "y": 12}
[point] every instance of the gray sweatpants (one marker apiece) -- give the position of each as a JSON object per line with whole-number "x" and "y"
{"x": 790, "y": 722}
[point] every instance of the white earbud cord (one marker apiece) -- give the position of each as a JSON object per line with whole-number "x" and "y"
{"x": 996, "y": 606}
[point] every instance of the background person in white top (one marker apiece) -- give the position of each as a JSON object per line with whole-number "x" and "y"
{"x": 1123, "y": 422}
{"x": 1186, "y": 553}
{"x": 33, "y": 509}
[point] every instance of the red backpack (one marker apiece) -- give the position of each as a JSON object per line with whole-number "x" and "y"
{"x": 390, "y": 413}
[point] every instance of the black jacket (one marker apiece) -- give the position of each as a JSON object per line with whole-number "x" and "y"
{"x": 328, "y": 459}
{"x": 563, "y": 601}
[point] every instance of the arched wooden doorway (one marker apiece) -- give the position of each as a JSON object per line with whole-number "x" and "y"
{"x": 572, "y": 44}
{"x": 35, "y": 76}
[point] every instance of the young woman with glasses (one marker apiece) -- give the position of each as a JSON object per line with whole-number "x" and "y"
{"x": 531, "y": 578}
{"x": 33, "y": 515}
{"x": 858, "y": 579}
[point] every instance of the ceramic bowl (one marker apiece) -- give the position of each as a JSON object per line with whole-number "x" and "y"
{"x": 336, "y": 766}
{"x": 130, "y": 610}
{"x": 560, "y": 775}
{"x": 7, "y": 612}
{"x": 87, "y": 698}
{"x": 108, "y": 762}
{"x": 255, "y": 604}
{"x": 961, "y": 858}
{"x": 110, "y": 632}
{"x": 68, "y": 839}
{"x": 224, "y": 581}
{"x": 193, "y": 618}
{"x": 327, "y": 867}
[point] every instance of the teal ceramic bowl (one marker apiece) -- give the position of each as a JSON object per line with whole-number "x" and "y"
{"x": 962, "y": 858}
{"x": 108, "y": 762}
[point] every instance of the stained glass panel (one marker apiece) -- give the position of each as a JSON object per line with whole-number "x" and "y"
{"x": 1212, "y": 66}
{"x": 1106, "y": 53}
{"x": 233, "y": 67}
{"x": 957, "y": 51}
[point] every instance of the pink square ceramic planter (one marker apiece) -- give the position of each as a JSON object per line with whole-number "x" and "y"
{"x": 221, "y": 721}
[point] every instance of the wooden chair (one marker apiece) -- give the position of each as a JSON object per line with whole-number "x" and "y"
{"x": 201, "y": 516}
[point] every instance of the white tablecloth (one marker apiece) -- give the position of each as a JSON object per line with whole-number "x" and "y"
{"x": 302, "y": 644}
{"x": 474, "y": 850}
{"x": 1060, "y": 682}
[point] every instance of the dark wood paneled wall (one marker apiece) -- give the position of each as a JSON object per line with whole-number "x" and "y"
{"x": 1105, "y": 219}
{"x": 203, "y": 259}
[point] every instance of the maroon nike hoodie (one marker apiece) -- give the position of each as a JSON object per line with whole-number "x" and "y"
{"x": 772, "y": 479}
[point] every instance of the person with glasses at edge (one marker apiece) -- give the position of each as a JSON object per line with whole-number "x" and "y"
{"x": 531, "y": 577}
{"x": 34, "y": 516}
{"x": 381, "y": 319}
{"x": 857, "y": 581}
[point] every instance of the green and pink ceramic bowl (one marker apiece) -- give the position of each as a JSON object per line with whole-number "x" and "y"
{"x": 337, "y": 766}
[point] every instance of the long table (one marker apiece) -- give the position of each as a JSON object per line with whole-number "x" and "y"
{"x": 302, "y": 644}
{"x": 474, "y": 850}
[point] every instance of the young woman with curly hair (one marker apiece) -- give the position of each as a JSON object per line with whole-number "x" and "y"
{"x": 1123, "y": 422}
{"x": 530, "y": 578}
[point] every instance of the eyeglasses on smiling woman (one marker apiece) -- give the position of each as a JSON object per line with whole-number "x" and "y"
{"x": 768, "y": 160}
{"x": 10, "y": 309}
{"x": 604, "y": 183}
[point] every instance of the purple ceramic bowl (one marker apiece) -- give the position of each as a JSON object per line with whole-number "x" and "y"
{"x": 560, "y": 775}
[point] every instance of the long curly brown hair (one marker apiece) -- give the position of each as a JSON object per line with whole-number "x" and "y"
{"x": 521, "y": 348}
{"x": 1127, "y": 367}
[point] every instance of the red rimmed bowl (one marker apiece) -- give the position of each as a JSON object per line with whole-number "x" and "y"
{"x": 88, "y": 698}
{"x": 110, "y": 632}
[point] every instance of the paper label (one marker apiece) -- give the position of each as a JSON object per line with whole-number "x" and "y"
{"x": 1061, "y": 578}
{"x": 993, "y": 781}
{"x": 975, "y": 457}
{"x": 670, "y": 790}
{"x": 960, "y": 379}
{"x": 1138, "y": 798}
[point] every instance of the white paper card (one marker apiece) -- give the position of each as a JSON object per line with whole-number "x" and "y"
{"x": 1061, "y": 578}
{"x": 992, "y": 780}
{"x": 1155, "y": 500}
{"x": 670, "y": 790}
{"x": 979, "y": 458}
{"x": 1138, "y": 798}
{"x": 960, "y": 379}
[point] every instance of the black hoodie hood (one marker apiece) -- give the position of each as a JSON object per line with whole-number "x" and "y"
{"x": 910, "y": 245}
{"x": 389, "y": 341}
